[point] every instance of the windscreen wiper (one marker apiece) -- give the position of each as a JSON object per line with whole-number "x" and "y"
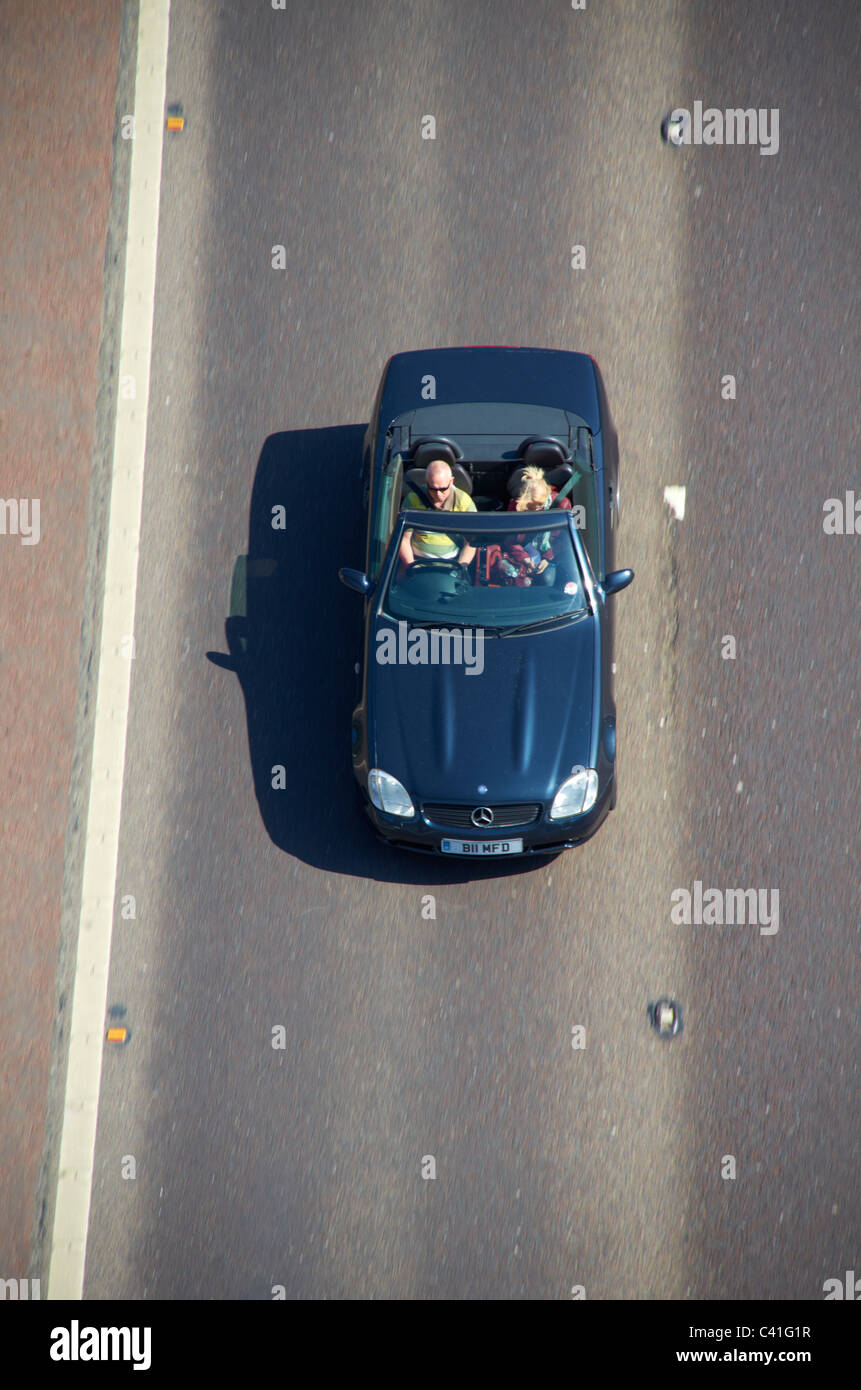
{"x": 542, "y": 624}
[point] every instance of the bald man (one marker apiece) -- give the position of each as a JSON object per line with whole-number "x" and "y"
{"x": 444, "y": 497}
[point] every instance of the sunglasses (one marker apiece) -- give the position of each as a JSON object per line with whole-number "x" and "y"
{"x": 438, "y": 489}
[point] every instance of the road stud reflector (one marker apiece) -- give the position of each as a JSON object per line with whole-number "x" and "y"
{"x": 666, "y": 1018}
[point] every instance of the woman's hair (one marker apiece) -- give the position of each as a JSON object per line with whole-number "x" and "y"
{"x": 534, "y": 487}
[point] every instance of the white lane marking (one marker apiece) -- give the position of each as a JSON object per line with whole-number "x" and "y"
{"x": 675, "y": 500}
{"x": 86, "y": 1037}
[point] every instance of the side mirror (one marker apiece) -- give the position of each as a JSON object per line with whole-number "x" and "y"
{"x": 619, "y": 579}
{"x": 357, "y": 581}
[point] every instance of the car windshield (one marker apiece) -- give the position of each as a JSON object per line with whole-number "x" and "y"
{"x": 514, "y": 578}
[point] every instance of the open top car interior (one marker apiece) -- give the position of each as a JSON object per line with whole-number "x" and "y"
{"x": 482, "y": 594}
{"x": 488, "y": 460}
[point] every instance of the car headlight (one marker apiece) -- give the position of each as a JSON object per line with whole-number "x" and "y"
{"x": 387, "y": 794}
{"x": 577, "y": 794}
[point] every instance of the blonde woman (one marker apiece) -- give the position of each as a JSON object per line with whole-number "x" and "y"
{"x": 528, "y": 559}
{"x": 535, "y": 493}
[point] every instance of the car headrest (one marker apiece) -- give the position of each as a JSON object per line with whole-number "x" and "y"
{"x": 557, "y": 477}
{"x": 461, "y": 478}
{"x": 418, "y": 475}
{"x": 544, "y": 453}
{"x": 429, "y": 449}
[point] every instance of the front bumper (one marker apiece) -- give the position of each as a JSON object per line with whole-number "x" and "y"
{"x": 541, "y": 836}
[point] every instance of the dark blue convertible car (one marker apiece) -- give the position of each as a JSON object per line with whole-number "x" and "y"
{"x": 486, "y": 723}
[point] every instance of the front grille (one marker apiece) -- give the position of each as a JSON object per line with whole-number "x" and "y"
{"x": 460, "y": 817}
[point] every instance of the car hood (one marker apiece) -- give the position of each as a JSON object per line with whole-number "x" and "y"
{"x": 517, "y": 728}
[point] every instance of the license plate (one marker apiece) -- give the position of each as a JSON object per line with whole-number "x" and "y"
{"x": 482, "y": 849}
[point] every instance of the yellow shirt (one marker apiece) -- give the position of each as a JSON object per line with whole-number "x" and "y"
{"x": 435, "y": 544}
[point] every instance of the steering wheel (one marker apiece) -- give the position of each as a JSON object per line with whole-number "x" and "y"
{"x": 451, "y": 565}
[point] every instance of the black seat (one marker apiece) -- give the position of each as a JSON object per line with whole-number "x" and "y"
{"x": 543, "y": 453}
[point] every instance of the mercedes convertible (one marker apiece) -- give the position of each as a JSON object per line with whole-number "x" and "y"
{"x": 486, "y": 722}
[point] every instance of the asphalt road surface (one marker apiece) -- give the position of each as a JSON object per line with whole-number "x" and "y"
{"x": 450, "y": 1035}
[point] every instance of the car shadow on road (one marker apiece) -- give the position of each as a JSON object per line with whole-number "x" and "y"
{"x": 294, "y": 638}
